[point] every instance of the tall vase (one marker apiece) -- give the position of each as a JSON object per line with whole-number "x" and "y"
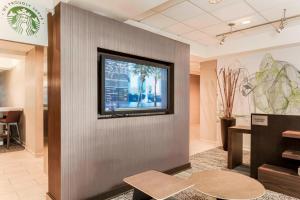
{"x": 225, "y": 124}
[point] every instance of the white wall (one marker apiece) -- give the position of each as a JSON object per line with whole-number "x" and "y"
{"x": 251, "y": 61}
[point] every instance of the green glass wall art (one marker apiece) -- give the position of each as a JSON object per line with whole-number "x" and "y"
{"x": 275, "y": 87}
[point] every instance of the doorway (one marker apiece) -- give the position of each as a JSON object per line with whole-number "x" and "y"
{"x": 22, "y": 103}
{"x": 194, "y": 92}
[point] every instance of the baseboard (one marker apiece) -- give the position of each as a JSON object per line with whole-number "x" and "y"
{"x": 33, "y": 153}
{"x": 213, "y": 142}
{"x": 124, "y": 187}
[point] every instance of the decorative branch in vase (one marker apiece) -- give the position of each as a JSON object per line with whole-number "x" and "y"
{"x": 227, "y": 79}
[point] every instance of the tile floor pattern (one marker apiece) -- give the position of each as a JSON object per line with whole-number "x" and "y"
{"x": 22, "y": 177}
{"x": 196, "y": 144}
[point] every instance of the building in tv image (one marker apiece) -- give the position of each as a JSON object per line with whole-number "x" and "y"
{"x": 134, "y": 86}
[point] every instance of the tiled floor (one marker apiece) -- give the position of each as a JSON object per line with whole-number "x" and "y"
{"x": 196, "y": 144}
{"x": 22, "y": 177}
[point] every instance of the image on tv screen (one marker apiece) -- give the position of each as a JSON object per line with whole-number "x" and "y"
{"x": 130, "y": 86}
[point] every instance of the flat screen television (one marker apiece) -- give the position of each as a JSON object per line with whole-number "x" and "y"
{"x": 131, "y": 84}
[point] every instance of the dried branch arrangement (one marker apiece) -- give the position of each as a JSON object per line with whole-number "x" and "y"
{"x": 227, "y": 82}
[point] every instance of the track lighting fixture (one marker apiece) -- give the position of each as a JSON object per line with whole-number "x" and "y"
{"x": 283, "y": 22}
{"x": 222, "y": 41}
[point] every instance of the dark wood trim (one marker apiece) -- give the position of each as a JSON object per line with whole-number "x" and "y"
{"x": 49, "y": 196}
{"x": 54, "y": 106}
{"x": 235, "y": 145}
{"x": 124, "y": 187}
{"x": 178, "y": 169}
{"x": 280, "y": 180}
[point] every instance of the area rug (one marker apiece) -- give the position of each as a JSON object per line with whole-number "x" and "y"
{"x": 208, "y": 160}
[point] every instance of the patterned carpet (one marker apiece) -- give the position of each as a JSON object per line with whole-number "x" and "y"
{"x": 212, "y": 159}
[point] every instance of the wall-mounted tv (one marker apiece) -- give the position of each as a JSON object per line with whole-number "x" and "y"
{"x": 130, "y": 84}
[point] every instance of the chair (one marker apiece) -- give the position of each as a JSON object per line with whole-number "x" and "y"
{"x": 11, "y": 119}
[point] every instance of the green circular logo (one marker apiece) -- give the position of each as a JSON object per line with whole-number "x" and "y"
{"x": 23, "y": 20}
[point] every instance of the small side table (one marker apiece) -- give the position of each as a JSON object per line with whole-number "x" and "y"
{"x": 235, "y": 145}
{"x": 220, "y": 184}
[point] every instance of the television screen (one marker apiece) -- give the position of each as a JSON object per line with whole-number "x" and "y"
{"x": 132, "y": 85}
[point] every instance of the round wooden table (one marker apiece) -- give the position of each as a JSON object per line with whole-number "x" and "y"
{"x": 221, "y": 184}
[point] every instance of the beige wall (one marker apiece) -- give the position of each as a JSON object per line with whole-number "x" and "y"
{"x": 208, "y": 101}
{"x": 194, "y": 99}
{"x": 33, "y": 107}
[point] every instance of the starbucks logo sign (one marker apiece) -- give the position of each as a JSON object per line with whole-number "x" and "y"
{"x": 22, "y": 17}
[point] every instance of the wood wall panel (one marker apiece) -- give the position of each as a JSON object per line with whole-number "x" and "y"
{"x": 54, "y": 106}
{"x": 33, "y": 104}
{"x": 194, "y": 99}
{"x": 208, "y": 101}
{"x": 98, "y": 154}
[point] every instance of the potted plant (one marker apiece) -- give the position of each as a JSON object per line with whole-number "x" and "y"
{"x": 227, "y": 82}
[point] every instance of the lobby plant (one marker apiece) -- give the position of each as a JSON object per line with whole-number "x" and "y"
{"x": 227, "y": 79}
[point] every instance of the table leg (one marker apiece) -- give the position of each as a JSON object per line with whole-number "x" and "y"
{"x": 235, "y": 149}
{"x": 139, "y": 195}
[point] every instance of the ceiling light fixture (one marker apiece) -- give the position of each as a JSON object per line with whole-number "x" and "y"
{"x": 214, "y": 1}
{"x": 222, "y": 41}
{"x": 283, "y": 22}
{"x": 246, "y": 22}
{"x": 231, "y": 25}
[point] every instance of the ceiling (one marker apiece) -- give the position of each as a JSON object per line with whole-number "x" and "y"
{"x": 14, "y": 48}
{"x": 195, "y": 21}
{"x": 118, "y": 9}
{"x": 199, "y": 21}
{"x": 12, "y": 53}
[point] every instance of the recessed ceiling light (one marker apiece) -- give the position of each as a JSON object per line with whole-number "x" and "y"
{"x": 214, "y": 1}
{"x": 246, "y": 22}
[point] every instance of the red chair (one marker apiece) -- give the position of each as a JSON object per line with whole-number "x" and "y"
{"x": 11, "y": 118}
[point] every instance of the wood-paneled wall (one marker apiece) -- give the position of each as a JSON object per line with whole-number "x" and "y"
{"x": 33, "y": 105}
{"x": 54, "y": 106}
{"x": 97, "y": 154}
{"x": 194, "y": 99}
{"x": 208, "y": 101}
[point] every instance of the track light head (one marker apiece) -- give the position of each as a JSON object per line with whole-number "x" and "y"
{"x": 222, "y": 41}
{"x": 283, "y": 22}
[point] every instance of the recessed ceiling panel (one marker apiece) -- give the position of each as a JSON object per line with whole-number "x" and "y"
{"x": 266, "y": 4}
{"x": 159, "y": 21}
{"x": 178, "y": 29}
{"x": 200, "y": 37}
{"x": 216, "y": 29}
{"x": 202, "y": 21}
{"x": 276, "y": 13}
{"x": 205, "y": 5}
{"x": 117, "y": 9}
{"x": 233, "y": 11}
{"x": 183, "y": 11}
